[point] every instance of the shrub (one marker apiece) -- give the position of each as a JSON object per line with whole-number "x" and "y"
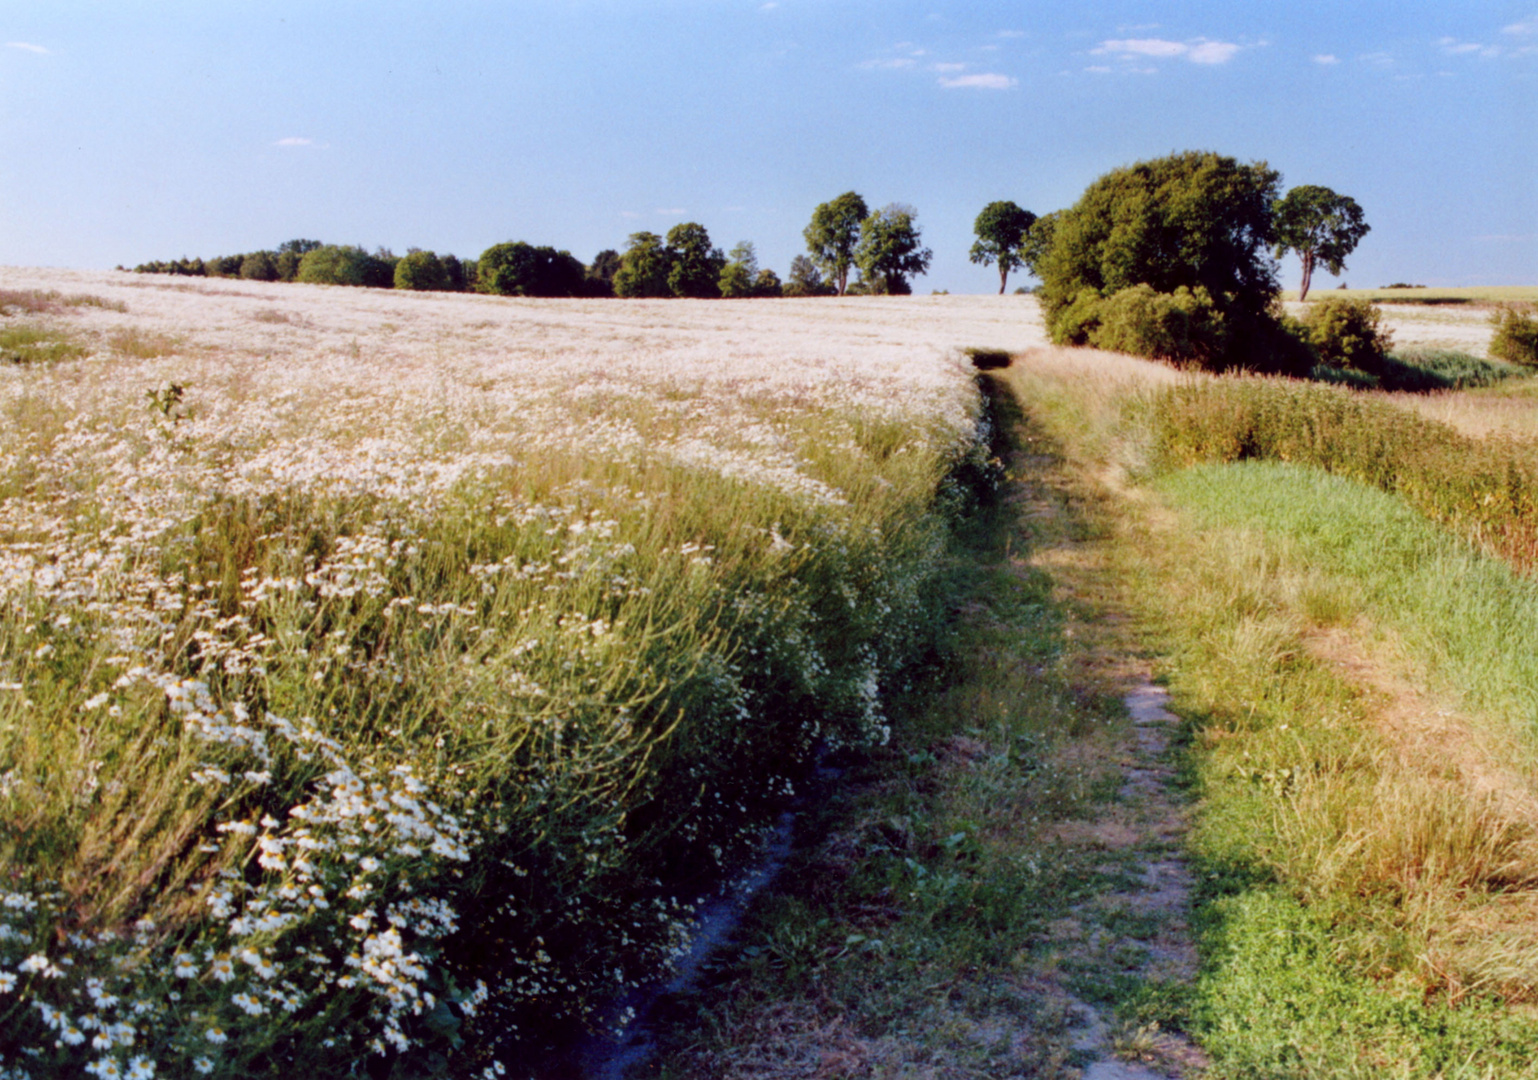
{"x": 421, "y": 271}
{"x": 1183, "y": 326}
{"x": 1348, "y": 334}
{"x": 1516, "y": 337}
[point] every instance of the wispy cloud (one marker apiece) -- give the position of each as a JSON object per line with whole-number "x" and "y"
{"x": 1380, "y": 60}
{"x": 28, "y": 47}
{"x": 770, "y": 6}
{"x": 1197, "y": 50}
{"x": 947, "y": 69}
{"x": 1011, "y": 33}
{"x": 1528, "y": 27}
{"x": 673, "y": 211}
{"x": 1326, "y": 59}
{"x": 295, "y": 140}
{"x": 979, "y": 81}
{"x": 1454, "y": 47}
{"x": 895, "y": 63}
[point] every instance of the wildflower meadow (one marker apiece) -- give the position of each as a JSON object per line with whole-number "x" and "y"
{"x": 385, "y": 676}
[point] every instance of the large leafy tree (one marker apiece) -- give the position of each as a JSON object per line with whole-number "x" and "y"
{"x": 1321, "y": 226}
{"x": 1196, "y": 220}
{"x": 695, "y": 269}
{"x": 833, "y": 235}
{"x": 1002, "y": 229}
{"x": 643, "y": 268}
{"x": 520, "y": 269}
{"x": 890, "y": 250}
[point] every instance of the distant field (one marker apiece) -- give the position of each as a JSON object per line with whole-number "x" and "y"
{"x": 1472, "y": 294}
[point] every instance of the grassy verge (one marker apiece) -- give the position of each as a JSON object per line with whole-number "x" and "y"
{"x": 1361, "y": 754}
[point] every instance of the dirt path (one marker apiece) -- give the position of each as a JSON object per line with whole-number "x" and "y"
{"x": 1001, "y": 892}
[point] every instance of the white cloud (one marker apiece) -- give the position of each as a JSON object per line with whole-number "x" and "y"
{"x": 1326, "y": 59}
{"x": 1011, "y": 33}
{"x": 948, "y": 69}
{"x": 978, "y": 82}
{"x": 1099, "y": 69}
{"x": 896, "y": 63}
{"x": 770, "y": 6}
{"x": 1526, "y": 28}
{"x": 676, "y": 211}
{"x": 1142, "y": 47}
{"x": 1212, "y": 52}
{"x": 28, "y": 46}
{"x": 295, "y": 140}
{"x": 1377, "y": 59}
{"x": 1198, "y": 50}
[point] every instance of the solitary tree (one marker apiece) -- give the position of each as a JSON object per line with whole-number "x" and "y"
{"x": 643, "y": 269}
{"x": 696, "y": 266}
{"x": 1321, "y": 226}
{"x": 889, "y": 252}
{"x": 833, "y": 235}
{"x": 1002, "y": 229}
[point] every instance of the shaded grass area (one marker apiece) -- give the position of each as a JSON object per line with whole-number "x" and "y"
{"x": 1368, "y": 875}
{"x": 920, "y": 927}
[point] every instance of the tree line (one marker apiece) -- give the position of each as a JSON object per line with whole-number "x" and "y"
{"x": 1134, "y": 226}
{"x": 883, "y": 247}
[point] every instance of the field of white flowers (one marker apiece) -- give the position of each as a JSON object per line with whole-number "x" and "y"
{"x": 381, "y": 670}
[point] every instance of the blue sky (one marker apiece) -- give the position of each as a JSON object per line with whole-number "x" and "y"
{"x": 138, "y": 131}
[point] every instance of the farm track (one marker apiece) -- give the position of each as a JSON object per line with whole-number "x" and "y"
{"x": 1093, "y": 983}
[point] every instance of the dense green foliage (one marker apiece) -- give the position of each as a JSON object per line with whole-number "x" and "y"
{"x": 520, "y": 269}
{"x": 1516, "y": 337}
{"x": 1348, "y": 334}
{"x": 1002, "y": 230}
{"x": 422, "y": 271}
{"x": 832, "y": 236}
{"x": 334, "y": 264}
{"x": 1321, "y": 226}
{"x": 1183, "y": 326}
{"x": 890, "y": 250}
{"x": 694, "y": 266}
{"x": 1195, "y": 220}
{"x": 644, "y": 268}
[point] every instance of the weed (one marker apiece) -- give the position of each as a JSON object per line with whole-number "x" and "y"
{"x": 23, "y": 344}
